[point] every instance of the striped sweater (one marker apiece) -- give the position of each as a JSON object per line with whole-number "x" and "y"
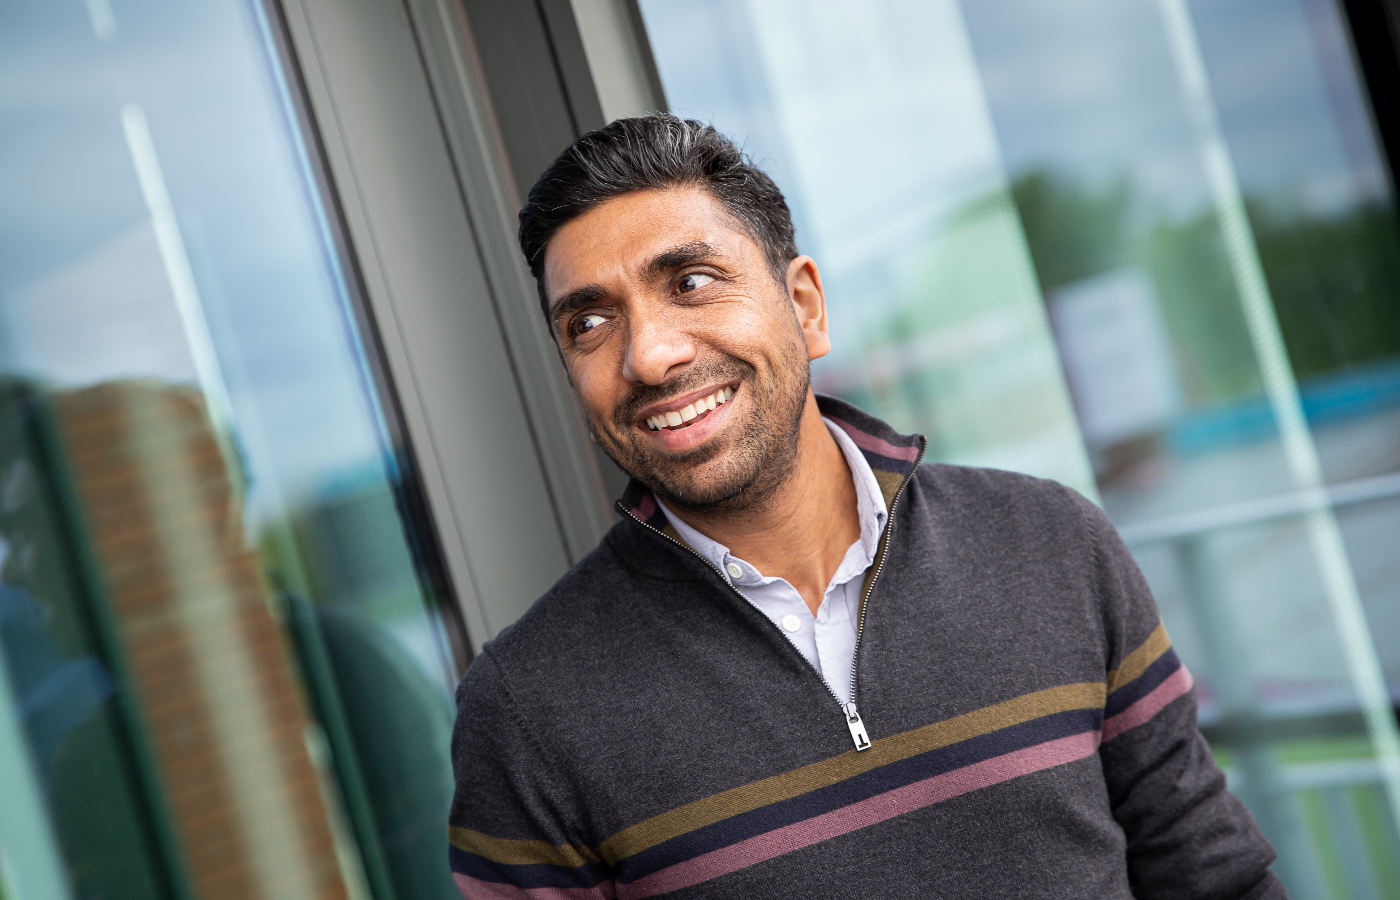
{"x": 644, "y": 731}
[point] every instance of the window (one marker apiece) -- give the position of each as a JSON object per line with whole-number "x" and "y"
{"x": 1149, "y": 249}
{"x": 226, "y": 659}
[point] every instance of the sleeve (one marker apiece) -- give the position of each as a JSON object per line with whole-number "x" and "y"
{"x": 509, "y": 834}
{"x": 1187, "y": 836}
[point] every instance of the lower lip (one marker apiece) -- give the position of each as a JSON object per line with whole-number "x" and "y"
{"x": 696, "y": 432}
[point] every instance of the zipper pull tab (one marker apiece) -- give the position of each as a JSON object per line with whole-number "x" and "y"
{"x": 857, "y": 727}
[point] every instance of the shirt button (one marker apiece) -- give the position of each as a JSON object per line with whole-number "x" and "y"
{"x": 791, "y": 623}
{"x": 735, "y": 570}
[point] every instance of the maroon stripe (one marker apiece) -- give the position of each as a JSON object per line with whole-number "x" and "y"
{"x": 864, "y": 813}
{"x": 869, "y": 442}
{"x": 1143, "y": 710}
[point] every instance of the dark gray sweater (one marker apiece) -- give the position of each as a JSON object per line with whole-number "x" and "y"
{"x": 643, "y": 730}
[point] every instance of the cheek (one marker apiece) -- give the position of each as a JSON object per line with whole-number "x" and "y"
{"x": 772, "y": 333}
{"x": 596, "y": 391}
{"x": 751, "y": 325}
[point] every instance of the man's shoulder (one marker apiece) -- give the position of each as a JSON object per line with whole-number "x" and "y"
{"x": 976, "y": 490}
{"x": 1001, "y": 514}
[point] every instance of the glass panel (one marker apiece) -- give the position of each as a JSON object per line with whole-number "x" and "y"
{"x": 1183, "y": 208}
{"x": 920, "y": 219}
{"x": 29, "y": 867}
{"x": 221, "y": 644}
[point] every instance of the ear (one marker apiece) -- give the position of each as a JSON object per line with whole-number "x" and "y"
{"x": 804, "y": 285}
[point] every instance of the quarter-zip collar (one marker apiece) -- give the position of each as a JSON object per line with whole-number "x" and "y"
{"x": 892, "y": 456}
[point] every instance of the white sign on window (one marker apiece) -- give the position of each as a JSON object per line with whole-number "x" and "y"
{"x": 1116, "y": 355}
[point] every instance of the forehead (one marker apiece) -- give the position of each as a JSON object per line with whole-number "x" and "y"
{"x": 616, "y": 238}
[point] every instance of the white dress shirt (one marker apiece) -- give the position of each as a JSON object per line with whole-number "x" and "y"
{"x": 827, "y": 640}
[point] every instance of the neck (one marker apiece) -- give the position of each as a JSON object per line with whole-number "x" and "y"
{"x": 803, "y": 527}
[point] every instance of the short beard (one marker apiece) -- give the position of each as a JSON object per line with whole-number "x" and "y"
{"x": 760, "y": 458}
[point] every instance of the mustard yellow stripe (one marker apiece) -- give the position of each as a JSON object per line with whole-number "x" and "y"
{"x": 884, "y": 751}
{"x": 519, "y": 853}
{"x": 1135, "y": 663}
{"x": 869, "y": 581}
{"x": 889, "y": 484}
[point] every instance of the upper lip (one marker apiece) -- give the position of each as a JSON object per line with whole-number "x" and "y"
{"x": 680, "y": 401}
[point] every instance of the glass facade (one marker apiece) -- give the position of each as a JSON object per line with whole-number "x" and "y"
{"x": 1149, "y": 249}
{"x": 225, "y": 671}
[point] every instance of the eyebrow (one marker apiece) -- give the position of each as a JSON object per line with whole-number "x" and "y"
{"x": 663, "y": 263}
{"x": 679, "y": 257}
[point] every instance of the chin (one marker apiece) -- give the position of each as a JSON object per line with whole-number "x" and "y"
{"x": 729, "y": 491}
{"x": 696, "y": 489}
{"x": 694, "y": 499}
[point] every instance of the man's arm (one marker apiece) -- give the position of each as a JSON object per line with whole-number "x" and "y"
{"x": 1187, "y": 836}
{"x": 506, "y": 834}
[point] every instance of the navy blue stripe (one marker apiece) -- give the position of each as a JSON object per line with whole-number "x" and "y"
{"x": 900, "y": 467}
{"x": 1144, "y": 684}
{"x": 533, "y": 875}
{"x": 857, "y": 788}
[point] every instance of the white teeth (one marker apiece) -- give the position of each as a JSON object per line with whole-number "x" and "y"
{"x": 690, "y": 411}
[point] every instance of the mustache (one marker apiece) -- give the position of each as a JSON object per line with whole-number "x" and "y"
{"x": 642, "y": 395}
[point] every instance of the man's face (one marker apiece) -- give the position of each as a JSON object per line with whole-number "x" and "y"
{"x": 664, "y": 307}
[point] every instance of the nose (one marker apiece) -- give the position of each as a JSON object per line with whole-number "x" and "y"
{"x": 656, "y": 347}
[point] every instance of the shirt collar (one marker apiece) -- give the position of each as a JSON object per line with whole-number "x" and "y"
{"x": 870, "y": 509}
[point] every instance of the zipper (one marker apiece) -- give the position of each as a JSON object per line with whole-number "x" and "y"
{"x": 848, "y": 710}
{"x": 853, "y": 721}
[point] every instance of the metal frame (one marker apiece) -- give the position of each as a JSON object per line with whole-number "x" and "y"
{"x": 550, "y": 69}
{"x": 426, "y": 180}
{"x": 619, "y": 57}
{"x": 516, "y": 83}
{"x": 1375, "y": 36}
{"x": 581, "y": 487}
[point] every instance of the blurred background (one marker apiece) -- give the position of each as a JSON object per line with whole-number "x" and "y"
{"x": 282, "y": 440}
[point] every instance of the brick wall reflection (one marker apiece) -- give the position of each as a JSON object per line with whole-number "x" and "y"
{"x": 224, "y": 711}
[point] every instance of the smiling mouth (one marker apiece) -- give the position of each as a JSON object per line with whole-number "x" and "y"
{"x": 684, "y": 416}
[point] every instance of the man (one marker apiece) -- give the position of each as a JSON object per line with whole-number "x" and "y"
{"x": 803, "y": 664}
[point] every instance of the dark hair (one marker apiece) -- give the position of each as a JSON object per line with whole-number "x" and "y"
{"x": 650, "y": 153}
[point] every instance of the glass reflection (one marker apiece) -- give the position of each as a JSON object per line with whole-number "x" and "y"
{"x": 938, "y": 321}
{"x": 1183, "y": 208}
{"x": 231, "y": 677}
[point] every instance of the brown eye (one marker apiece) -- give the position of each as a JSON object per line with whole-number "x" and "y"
{"x": 692, "y": 282}
{"x": 586, "y": 323}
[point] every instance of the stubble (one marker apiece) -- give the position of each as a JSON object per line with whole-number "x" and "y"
{"x": 754, "y": 456}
